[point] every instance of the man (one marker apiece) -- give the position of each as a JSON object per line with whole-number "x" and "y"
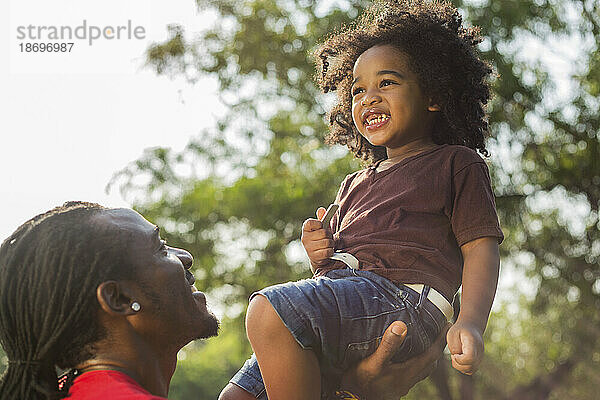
{"x": 97, "y": 292}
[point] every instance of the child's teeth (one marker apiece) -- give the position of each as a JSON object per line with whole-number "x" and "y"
{"x": 377, "y": 120}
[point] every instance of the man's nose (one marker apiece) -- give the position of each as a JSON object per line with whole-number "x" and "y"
{"x": 184, "y": 256}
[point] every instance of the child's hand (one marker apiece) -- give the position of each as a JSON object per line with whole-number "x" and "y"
{"x": 466, "y": 347}
{"x": 317, "y": 240}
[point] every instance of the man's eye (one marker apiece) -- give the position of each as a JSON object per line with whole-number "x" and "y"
{"x": 386, "y": 82}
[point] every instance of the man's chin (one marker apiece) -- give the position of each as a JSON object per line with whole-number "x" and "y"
{"x": 210, "y": 327}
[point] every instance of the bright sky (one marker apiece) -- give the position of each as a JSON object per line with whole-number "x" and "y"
{"x": 69, "y": 121}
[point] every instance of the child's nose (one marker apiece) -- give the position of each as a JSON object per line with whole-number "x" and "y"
{"x": 370, "y": 98}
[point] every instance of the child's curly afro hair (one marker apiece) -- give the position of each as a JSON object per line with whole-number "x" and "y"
{"x": 442, "y": 54}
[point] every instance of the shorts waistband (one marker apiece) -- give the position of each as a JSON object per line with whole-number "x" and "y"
{"x": 436, "y": 298}
{"x": 433, "y": 296}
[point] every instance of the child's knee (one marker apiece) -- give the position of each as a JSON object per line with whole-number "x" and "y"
{"x": 233, "y": 392}
{"x": 262, "y": 321}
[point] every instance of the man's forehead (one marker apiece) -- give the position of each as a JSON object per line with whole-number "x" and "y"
{"x": 125, "y": 219}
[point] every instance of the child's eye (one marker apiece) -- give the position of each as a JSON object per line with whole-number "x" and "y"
{"x": 356, "y": 91}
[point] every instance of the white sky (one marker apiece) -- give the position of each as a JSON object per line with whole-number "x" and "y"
{"x": 69, "y": 121}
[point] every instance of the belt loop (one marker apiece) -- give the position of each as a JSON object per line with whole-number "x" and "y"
{"x": 422, "y": 296}
{"x": 403, "y": 294}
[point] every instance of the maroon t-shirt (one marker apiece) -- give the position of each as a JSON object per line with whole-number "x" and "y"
{"x": 407, "y": 223}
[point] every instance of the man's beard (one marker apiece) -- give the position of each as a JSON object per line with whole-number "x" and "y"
{"x": 210, "y": 326}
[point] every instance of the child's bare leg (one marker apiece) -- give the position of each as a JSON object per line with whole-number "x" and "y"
{"x": 289, "y": 371}
{"x": 233, "y": 392}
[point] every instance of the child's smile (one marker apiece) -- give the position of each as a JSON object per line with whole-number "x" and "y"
{"x": 388, "y": 107}
{"x": 374, "y": 120}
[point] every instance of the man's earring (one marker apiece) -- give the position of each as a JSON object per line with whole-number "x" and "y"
{"x": 135, "y": 306}
{"x": 434, "y": 107}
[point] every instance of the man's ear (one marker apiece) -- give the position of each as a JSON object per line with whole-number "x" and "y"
{"x": 115, "y": 298}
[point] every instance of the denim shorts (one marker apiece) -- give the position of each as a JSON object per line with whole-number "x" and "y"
{"x": 342, "y": 317}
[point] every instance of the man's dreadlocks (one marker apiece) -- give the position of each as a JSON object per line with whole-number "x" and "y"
{"x": 50, "y": 268}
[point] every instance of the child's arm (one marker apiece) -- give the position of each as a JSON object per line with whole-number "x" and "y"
{"x": 479, "y": 280}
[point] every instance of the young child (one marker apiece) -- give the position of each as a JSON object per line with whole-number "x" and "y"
{"x": 411, "y": 228}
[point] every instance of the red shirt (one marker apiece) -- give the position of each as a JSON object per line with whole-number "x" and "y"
{"x": 102, "y": 385}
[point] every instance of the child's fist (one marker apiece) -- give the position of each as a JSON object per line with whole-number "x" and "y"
{"x": 466, "y": 347}
{"x": 317, "y": 240}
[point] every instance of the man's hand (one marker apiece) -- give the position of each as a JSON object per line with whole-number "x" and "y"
{"x": 317, "y": 240}
{"x": 466, "y": 347}
{"x": 376, "y": 378}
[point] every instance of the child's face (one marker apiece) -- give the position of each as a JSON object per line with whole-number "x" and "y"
{"x": 388, "y": 107}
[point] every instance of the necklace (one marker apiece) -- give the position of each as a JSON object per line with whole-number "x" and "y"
{"x": 105, "y": 366}
{"x": 66, "y": 380}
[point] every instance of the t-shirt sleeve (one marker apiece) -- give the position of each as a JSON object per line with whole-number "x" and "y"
{"x": 474, "y": 208}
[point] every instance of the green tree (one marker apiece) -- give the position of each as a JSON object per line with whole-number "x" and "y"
{"x": 265, "y": 170}
{"x": 3, "y": 361}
